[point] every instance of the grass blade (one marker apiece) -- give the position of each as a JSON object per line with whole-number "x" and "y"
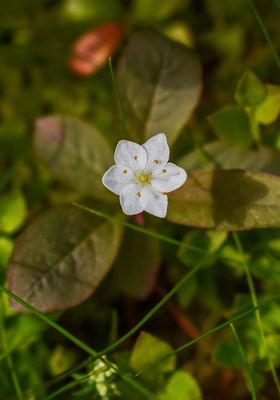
{"x": 257, "y": 313}
{"x": 265, "y": 32}
{"x": 10, "y": 363}
{"x": 139, "y": 387}
{"x": 210, "y": 332}
{"x": 118, "y": 98}
{"x": 245, "y": 362}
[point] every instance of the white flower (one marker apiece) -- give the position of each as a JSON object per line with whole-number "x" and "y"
{"x": 142, "y": 176}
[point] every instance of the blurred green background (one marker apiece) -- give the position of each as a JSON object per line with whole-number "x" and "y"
{"x": 36, "y": 43}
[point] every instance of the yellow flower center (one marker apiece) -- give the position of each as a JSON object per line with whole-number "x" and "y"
{"x": 143, "y": 178}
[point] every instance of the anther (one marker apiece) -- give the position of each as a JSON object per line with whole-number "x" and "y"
{"x": 138, "y": 194}
{"x": 125, "y": 171}
{"x": 135, "y": 157}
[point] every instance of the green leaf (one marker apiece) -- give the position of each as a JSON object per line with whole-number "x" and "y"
{"x": 187, "y": 292}
{"x": 250, "y": 90}
{"x": 12, "y": 212}
{"x": 222, "y": 156}
{"x": 208, "y": 241}
{"x": 179, "y": 31}
{"x": 228, "y": 353}
{"x": 23, "y": 330}
{"x": 76, "y": 152}
{"x": 146, "y": 10}
{"x": 149, "y": 349}
{"x": 61, "y": 258}
{"x": 232, "y": 124}
{"x": 227, "y": 200}
{"x": 6, "y": 246}
{"x": 181, "y": 386}
{"x": 61, "y": 360}
{"x": 160, "y": 84}
{"x": 258, "y": 379}
{"x": 85, "y": 10}
{"x": 268, "y": 110}
{"x": 135, "y": 276}
{"x": 232, "y": 258}
{"x": 273, "y": 345}
{"x": 266, "y": 267}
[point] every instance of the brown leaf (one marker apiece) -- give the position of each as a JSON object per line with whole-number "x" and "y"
{"x": 228, "y": 200}
{"x": 92, "y": 50}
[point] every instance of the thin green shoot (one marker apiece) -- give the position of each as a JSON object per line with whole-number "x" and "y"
{"x": 10, "y": 363}
{"x": 209, "y": 333}
{"x": 248, "y": 375}
{"x": 63, "y": 389}
{"x": 153, "y": 310}
{"x": 265, "y": 32}
{"x": 257, "y": 313}
{"x": 139, "y": 387}
{"x": 217, "y": 328}
{"x": 118, "y": 98}
{"x": 149, "y": 232}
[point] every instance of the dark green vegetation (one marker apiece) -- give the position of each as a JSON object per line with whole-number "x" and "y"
{"x": 183, "y": 308}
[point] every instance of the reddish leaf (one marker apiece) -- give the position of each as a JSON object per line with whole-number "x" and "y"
{"x": 92, "y": 50}
{"x": 61, "y": 258}
{"x": 229, "y": 200}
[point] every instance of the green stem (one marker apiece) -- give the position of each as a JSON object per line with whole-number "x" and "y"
{"x": 257, "y": 313}
{"x": 62, "y": 390}
{"x": 265, "y": 32}
{"x": 153, "y": 310}
{"x": 118, "y": 98}
{"x": 255, "y": 129}
{"x": 77, "y": 342}
{"x": 148, "y": 232}
{"x": 205, "y": 335}
{"x": 245, "y": 362}
{"x": 8, "y": 356}
{"x": 209, "y": 333}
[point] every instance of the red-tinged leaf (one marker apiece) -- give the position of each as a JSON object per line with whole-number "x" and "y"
{"x": 61, "y": 258}
{"x": 76, "y": 152}
{"x": 92, "y": 50}
{"x": 227, "y": 200}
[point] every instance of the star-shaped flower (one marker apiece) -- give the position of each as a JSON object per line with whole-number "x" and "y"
{"x": 142, "y": 176}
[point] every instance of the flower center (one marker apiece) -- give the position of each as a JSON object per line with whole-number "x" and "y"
{"x": 143, "y": 177}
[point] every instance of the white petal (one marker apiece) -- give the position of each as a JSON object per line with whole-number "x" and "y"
{"x": 131, "y": 199}
{"x": 157, "y": 151}
{"x": 130, "y": 154}
{"x": 117, "y": 177}
{"x": 168, "y": 178}
{"x": 154, "y": 202}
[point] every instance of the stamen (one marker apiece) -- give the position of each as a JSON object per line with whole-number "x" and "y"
{"x": 138, "y": 194}
{"x": 164, "y": 171}
{"x": 135, "y": 157}
{"x": 143, "y": 177}
{"x": 125, "y": 171}
{"x": 164, "y": 193}
{"x": 156, "y": 161}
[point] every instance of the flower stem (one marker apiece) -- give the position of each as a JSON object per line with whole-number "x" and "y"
{"x": 257, "y": 312}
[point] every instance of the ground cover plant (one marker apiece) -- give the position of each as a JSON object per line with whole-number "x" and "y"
{"x": 172, "y": 290}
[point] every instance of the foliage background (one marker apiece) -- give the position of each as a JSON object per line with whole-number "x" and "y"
{"x": 234, "y": 271}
